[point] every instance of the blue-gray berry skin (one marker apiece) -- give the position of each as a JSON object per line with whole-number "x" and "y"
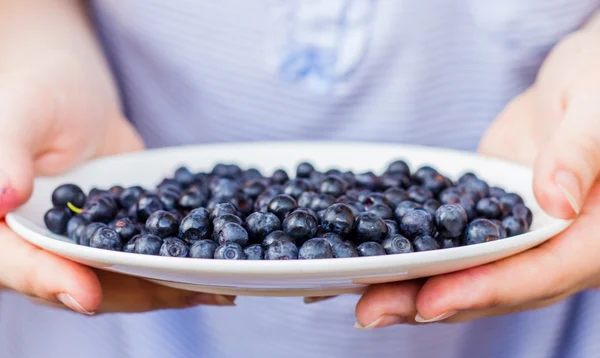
{"x": 417, "y": 222}
{"x": 425, "y": 243}
{"x": 370, "y": 248}
{"x": 56, "y": 219}
{"x": 369, "y": 227}
{"x": 514, "y": 226}
{"x": 332, "y": 238}
{"x": 316, "y": 248}
{"x": 451, "y": 220}
{"x": 68, "y": 193}
{"x": 259, "y": 225}
{"x": 338, "y": 218}
{"x": 162, "y": 224}
{"x": 344, "y": 249}
{"x": 195, "y": 226}
{"x": 281, "y": 250}
{"x": 254, "y": 252}
{"x": 521, "y": 211}
{"x": 107, "y": 239}
{"x": 300, "y": 225}
{"x": 89, "y": 231}
{"x": 481, "y": 230}
{"x": 203, "y": 249}
{"x": 174, "y": 247}
{"x": 276, "y": 236}
{"x": 230, "y": 251}
{"x": 232, "y": 232}
{"x": 397, "y": 244}
{"x": 147, "y": 244}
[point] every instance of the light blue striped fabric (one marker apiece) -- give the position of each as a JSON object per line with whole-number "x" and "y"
{"x": 429, "y": 72}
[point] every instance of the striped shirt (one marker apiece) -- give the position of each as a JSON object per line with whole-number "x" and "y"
{"x": 421, "y": 72}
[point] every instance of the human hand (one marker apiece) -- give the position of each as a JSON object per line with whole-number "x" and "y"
{"x": 555, "y": 127}
{"x": 53, "y": 116}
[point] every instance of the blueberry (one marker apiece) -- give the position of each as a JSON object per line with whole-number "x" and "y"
{"x": 191, "y": 199}
{"x": 203, "y": 249}
{"x": 469, "y": 206}
{"x": 381, "y": 210}
{"x": 349, "y": 178}
{"x": 254, "y": 252}
{"x": 321, "y": 202}
{"x": 107, "y": 239}
{"x": 146, "y": 205}
{"x": 316, "y": 248}
{"x": 332, "y": 185}
{"x": 76, "y": 227}
{"x": 393, "y": 228}
{"x": 126, "y": 229}
{"x": 222, "y": 209}
{"x": 417, "y": 222}
{"x": 435, "y": 184}
{"x": 220, "y": 221}
{"x": 242, "y": 203}
{"x": 304, "y": 169}
{"x": 397, "y": 244}
{"x": 253, "y": 188}
{"x": 405, "y": 207}
{"x": 101, "y": 208}
{"x": 468, "y": 176}
{"x": 281, "y": 205}
{"x": 173, "y": 247}
{"x": 232, "y": 232}
{"x": 521, "y": 211}
{"x": 477, "y": 187}
{"x": 68, "y": 193}
{"x": 501, "y": 228}
{"x": 259, "y": 225}
{"x": 489, "y": 208}
{"x": 89, "y": 232}
{"x": 370, "y": 248}
{"x": 183, "y": 176}
{"x": 296, "y": 187}
{"x": 448, "y": 243}
{"x": 451, "y": 220}
{"x": 279, "y": 176}
{"x": 130, "y": 245}
{"x": 331, "y": 237}
{"x": 56, "y": 219}
{"x": 222, "y": 170}
{"x": 277, "y": 236}
{"x": 510, "y": 200}
{"x": 344, "y": 249}
{"x": 450, "y": 196}
{"x": 195, "y": 226}
{"x": 162, "y": 224}
{"x": 395, "y": 196}
{"x": 223, "y": 188}
{"x": 367, "y": 180}
{"x": 419, "y": 194}
{"x": 496, "y": 192}
{"x": 425, "y": 243}
{"x": 398, "y": 166}
{"x": 281, "y": 250}
{"x": 369, "y": 227}
{"x": 394, "y": 180}
{"x": 147, "y": 244}
{"x": 424, "y": 172}
{"x": 514, "y": 226}
{"x": 305, "y": 199}
{"x": 374, "y": 198}
{"x": 431, "y": 206}
{"x": 300, "y": 225}
{"x": 481, "y": 230}
{"x": 169, "y": 196}
{"x": 338, "y": 218}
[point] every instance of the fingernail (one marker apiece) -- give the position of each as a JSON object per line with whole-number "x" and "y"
{"x": 383, "y": 321}
{"x": 210, "y": 299}
{"x": 309, "y": 300}
{"x": 441, "y": 317}
{"x": 70, "y": 302}
{"x": 8, "y": 196}
{"x": 569, "y": 184}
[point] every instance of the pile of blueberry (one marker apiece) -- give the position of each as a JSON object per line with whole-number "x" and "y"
{"x": 236, "y": 214}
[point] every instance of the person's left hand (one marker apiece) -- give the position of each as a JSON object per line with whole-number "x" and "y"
{"x": 555, "y": 127}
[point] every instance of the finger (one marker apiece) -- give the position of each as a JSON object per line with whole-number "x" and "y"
{"x": 37, "y": 273}
{"x": 130, "y": 294}
{"x": 387, "y": 304}
{"x": 121, "y": 137}
{"x": 555, "y": 268}
{"x": 569, "y": 163}
{"x": 509, "y": 135}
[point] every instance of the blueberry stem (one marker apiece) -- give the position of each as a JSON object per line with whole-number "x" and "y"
{"x": 74, "y": 209}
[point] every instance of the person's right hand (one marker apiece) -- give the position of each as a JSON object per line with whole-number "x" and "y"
{"x": 53, "y": 116}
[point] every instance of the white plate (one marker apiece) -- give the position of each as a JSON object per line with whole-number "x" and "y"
{"x": 282, "y": 278}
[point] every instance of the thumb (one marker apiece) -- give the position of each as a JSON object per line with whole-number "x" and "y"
{"x": 569, "y": 163}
